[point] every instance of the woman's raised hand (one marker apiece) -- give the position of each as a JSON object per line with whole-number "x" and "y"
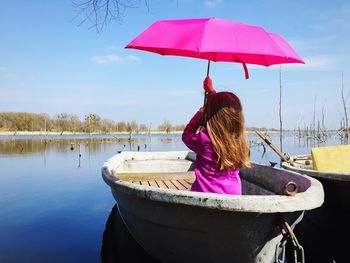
{"x": 208, "y": 84}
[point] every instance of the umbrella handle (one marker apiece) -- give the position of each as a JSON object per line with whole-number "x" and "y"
{"x": 203, "y": 121}
{"x": 208, "y": 67}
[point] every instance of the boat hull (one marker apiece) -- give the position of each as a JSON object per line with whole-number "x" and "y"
{"x": 184, "y": 226}
{"x": 182, "y": 233}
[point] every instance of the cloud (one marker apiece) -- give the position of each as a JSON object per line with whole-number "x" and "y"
{"x": 4, "y": 73}
{"x": 106, "y": 59}
{"x": 133, "y": 58}
{"x": 318, "y": 62}
{"x": 321, "y": 62}
{"x": 212, "y": 3}
{"x": 114, "y": 59}
{"x": 315, "y": 44}
{"x": 9, "y": 75}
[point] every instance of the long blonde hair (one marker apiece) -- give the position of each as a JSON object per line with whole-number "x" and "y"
{"x": 225, "y": 125}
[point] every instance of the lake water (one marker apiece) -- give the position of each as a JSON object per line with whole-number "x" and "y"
{"x": 54, "y": 204}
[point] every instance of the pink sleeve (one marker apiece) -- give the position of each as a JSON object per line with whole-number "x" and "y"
{"x": 190, "y": 137}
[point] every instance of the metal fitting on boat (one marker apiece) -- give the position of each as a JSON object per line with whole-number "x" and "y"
{"x": 290, "y": 188}
{"x": 288, "y": 236}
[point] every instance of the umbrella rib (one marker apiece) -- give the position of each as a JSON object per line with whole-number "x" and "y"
{"x": 204, "y": 30}
{"x": 273, "y": 41}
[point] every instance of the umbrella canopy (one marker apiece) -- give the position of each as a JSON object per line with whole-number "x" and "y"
{"x": 215, "y": 39}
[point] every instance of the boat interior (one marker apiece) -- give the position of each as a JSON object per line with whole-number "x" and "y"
{"x": 178, "y": 174}
{"x": 168, "y": 174}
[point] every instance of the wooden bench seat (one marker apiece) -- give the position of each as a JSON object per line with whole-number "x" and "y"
{"x": 176, "y": 180}
{"x": 179, "y": 184}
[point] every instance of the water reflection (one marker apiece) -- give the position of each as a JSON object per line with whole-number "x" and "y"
{"x": 94, "y": 145}
{"x": 80, "y": 147}
{"x": 118, "y": 246}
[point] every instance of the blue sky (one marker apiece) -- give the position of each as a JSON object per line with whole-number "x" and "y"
{"x": 49, "y": 64}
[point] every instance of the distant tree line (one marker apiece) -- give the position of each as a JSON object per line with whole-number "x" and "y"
{"x": 68, "y": 122}
{"x": 92, "y": 123}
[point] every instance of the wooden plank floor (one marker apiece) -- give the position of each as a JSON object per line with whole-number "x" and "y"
{"x": 177, "y": 184}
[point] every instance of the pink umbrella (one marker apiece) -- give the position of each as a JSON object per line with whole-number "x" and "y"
{"x": 216, "y": 39}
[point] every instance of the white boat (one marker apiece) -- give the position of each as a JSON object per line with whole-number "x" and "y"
{"x": 174, "y": 224}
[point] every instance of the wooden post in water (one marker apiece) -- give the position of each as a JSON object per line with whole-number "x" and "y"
{"x": 269, "y": 143}
{"x": 346, "y": 121}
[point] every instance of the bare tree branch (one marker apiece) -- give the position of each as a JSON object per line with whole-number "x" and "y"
{"x": 99, "y": 13}
{"x": 280, "y": 110}
{"x": 346, "y": 120}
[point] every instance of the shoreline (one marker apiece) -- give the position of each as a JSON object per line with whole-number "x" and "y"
{"x": 41, "y": 133}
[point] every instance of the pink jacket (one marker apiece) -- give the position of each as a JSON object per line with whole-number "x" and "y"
{"x": 209, "y": 178}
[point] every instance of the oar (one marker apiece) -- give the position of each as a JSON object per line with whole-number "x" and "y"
{"x": 269, "y": 143}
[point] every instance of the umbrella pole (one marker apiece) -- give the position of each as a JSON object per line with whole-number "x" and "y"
{"x": 202, "y": 123}
{"x": 208, "y": 67}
